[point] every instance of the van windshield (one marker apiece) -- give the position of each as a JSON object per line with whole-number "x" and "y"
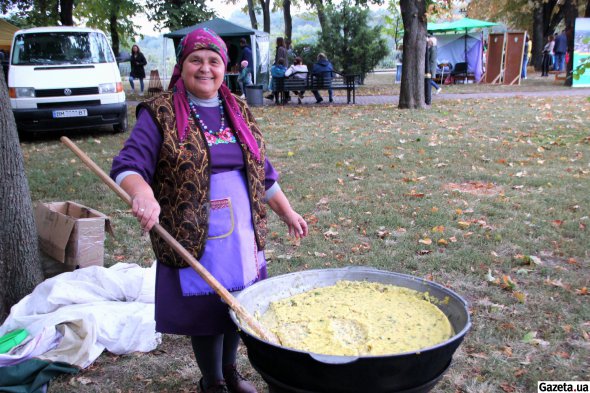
{"x": 53, "y": 48}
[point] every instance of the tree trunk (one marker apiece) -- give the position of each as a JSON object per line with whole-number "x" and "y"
{"x": 252, "y": 15}
{"x": 114, "y": 33}
{"x": 538, "y": 36}
{"x": 266, "y": 15}
{"x": 570, "y": 13}
{"x": 288, "y": 19}
{"x": 587, "y": 11}
{"x": 19, "y": 254}
{"x": 66, "y": 12}
{"x": 412, "y": 87}
{"x": 321, "y": 15}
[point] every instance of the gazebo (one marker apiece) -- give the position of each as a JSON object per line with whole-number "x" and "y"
{"x": 231, "y": 34}
{"x": 472, "y": 45}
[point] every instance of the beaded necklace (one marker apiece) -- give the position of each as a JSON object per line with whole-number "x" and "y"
{"x": 223, "y": 135}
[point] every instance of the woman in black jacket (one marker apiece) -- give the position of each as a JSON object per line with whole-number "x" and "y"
{"x": 138, "y": 61}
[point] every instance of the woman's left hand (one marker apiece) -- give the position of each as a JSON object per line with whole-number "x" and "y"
{"x": 296, "y": 224}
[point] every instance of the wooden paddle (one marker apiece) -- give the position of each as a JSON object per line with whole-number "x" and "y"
{"x": 231, "y": 301}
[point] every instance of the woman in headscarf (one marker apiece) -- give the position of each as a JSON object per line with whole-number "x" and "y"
{"x": 196, "y": 163}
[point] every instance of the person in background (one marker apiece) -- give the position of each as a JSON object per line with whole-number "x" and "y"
{"x": 277, "y": 71}
{"x": 245, "y": 78}
{"x": 282, "y": 52}
{"x": 547, "y": 56}
{"x": 525, "y": 55}
{"x": 299, "y": 72}
{"x": 138, "y": 62}
{"x": 246, "y": 54}
{"x": 290, "y": 52}
{"x": 560, "y": 49}
{"x": 432, "y": 55}
{"x": 323, "y": 71}
{"x": 196, "y": 163}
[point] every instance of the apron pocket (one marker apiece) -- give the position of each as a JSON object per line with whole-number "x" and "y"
{"x": 221, "y": 219}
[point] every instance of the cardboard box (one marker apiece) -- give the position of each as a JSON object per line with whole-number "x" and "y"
{"x": 72, "y": 233}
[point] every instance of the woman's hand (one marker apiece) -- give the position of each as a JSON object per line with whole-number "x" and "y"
{"x": 144, "y": 205}
{"x": 146, "y": 209}
{"x": 281, "y": 206}
{"x": 296, "y": 224}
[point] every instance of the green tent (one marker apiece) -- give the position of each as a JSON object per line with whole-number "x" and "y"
{"x": 459, "y": 25}
{"x": 231, "y": 33}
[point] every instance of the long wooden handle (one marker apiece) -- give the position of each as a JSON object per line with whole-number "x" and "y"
{"x": 231, "y": 301}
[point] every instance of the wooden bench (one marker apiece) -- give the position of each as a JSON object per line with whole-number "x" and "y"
{"x": 336, "y": 81}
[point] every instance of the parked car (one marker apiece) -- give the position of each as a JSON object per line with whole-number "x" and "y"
{"x": 65, "y": 78}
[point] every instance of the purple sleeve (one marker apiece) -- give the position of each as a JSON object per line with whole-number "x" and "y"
{"x": 141, "y": 150}
{"x": 271, "y": 175}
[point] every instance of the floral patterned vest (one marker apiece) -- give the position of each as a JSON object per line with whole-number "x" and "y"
{"x": 182, "y": 179}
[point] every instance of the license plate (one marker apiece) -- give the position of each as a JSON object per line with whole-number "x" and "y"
{"x": 70, "y": 113}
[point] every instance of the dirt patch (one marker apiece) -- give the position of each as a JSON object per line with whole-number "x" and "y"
{"x": 475, "y": 188}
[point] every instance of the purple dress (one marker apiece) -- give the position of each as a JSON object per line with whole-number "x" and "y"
{"x": 184, "y": 303}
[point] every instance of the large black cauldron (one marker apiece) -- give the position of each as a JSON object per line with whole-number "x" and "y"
{"x": 290, "y": 370}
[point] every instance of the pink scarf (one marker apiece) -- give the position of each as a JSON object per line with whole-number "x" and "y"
{"x": 207, "y": 39}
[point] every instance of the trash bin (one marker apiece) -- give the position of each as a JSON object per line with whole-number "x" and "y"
{"x": 254, "y": 95}
{"x": 398, "y": 73}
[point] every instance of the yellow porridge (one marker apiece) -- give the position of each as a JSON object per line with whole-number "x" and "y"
{"x": 358, "y": 318}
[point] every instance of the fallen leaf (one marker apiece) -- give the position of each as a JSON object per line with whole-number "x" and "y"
{"x": 414, "y": 194}
{"x": 489, "y": 277}
{"x": 438, "y": 228}
{"x": 582, "y": 291}
{"x": 330, "y": 233}
{"x": 562, "y": 354}
{"x": 442, "y": 242}
{"x": 508, "y": 283}
{"x": 520, "y": 372}
{"x": 463, "y": 224}
{"x": 426, "y": 241}
{"x": 521, "y": 297}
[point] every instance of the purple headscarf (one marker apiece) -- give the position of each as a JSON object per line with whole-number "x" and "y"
{"x": 205, "y": 38}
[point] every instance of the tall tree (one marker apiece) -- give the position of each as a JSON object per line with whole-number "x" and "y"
{"x": 19, "y": 255}
{"x": 252, "y": 14}
{"x": 265, "y": 4}
{"x": 412, "y": 82}
{"x": 41, "y": 12}
{"x": 176, "y": 14}
{"x": 351, "y": 45}
{"x": 414, "y": 14}
{"x": 113, "y": 17}
{"x": 288, "y": 19}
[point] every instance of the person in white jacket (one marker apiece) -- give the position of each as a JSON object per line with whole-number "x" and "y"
{"x": 298, "y": 70}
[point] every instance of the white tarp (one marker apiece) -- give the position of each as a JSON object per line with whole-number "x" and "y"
{"x": 74, "y": 316}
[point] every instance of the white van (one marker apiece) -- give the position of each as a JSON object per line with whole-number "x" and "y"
{"x": 64, "y": 78}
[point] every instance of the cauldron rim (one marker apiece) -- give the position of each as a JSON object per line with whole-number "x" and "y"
{"x": 343, "y": 358}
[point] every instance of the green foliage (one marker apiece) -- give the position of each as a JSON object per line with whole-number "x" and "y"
{"x": 350, "y": 44}
{"x": 31, "y": 13}
{"x": 178, "y": 14}
{"x": 98, "y": 13}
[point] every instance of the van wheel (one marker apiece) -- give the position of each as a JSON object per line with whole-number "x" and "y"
{"x": 121, "y": 127}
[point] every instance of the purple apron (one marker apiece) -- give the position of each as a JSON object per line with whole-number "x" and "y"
{"x": 231, "y": 254}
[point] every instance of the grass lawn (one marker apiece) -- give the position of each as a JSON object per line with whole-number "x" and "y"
{"x": 488, "y": 197}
